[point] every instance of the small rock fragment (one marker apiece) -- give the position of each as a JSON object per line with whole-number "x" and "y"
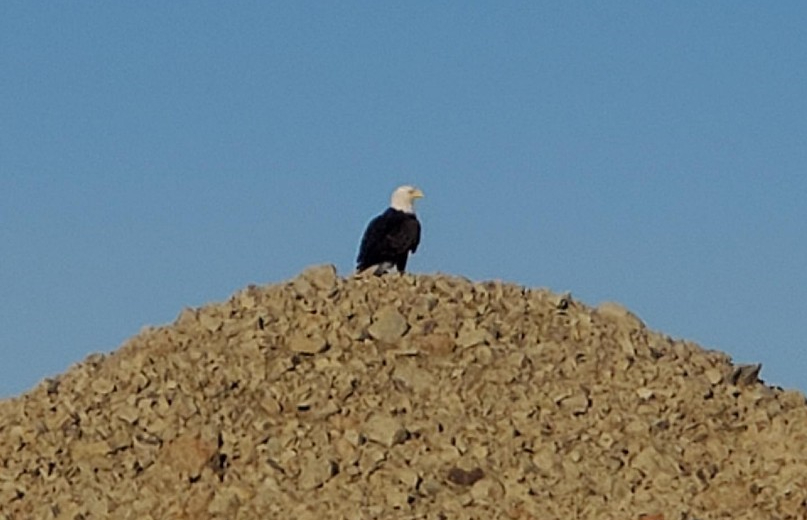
{"x": 414, "y": 377}
{"x": 128, "y": 413}
{"x": 562, "y": 303}
{"x": 209, "y": 321}
{"x": 714, "y": 376}
{"x": 618, "y": 312}
{"x": 436, "y": 344}
{"x": 85, "y": 450}
{"x": 187, "y": 455}
{"x": 385, "y": 430}
{"x": 486, "y": 490}
{"x": 469, "y": 338}
{"x": 305, "y": 344}
{"x": 321, "y": 276}
{"x": 745, "y": 375}
{"x": 645, "y": 393}
{"x": 102, "y": 386}
{"x": 463, "y": 477}
{"x": 408, "y": 477}
{"x": 577, "y": 403}
{"x": 396, "y": 498}
{"x": 388, "y": 325}
{"x": 315, "y": 472}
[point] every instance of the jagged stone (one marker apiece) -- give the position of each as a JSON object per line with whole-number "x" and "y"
{"x": 388, "y": 325}
{"x": 714, "y": 376}
{"x": 321, "y": 276}
{"x": 470, "y": 337}
{"x": 618, "y": 312}
{"x": 305, "y": 344}
{"x": 385, "y": 430}
{"x": 186, "y": 455}
{"x": 745, "y": 375}
{"x": 464, "y": 477}
{"x": 315, "y": 471}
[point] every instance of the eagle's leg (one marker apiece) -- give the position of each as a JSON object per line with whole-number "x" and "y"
{"x": 383, "y": 268}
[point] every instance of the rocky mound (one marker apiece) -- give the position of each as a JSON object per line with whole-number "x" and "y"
{"x": 404, "y": 397}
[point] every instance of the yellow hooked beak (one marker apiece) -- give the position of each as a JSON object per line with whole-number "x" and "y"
{"x": 417, "y": 194}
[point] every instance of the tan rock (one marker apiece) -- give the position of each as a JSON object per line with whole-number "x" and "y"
{"x": 414, "y": 377}
{"x": 210, "y": 321}
{"x": 436, "y": 345}
{"x": 315, "y": 471}
{"x": 714, "y": 376}
{"x": 187, "y": 455}
{"x": 388, "y": 325}
{"x": 385, "y": 430}
{"x": 321, "y": 276}
{"x": 396, "y": 498}
{"x": 307, "y": 344}
{"x": 85, "y": 450}
{"x": 128, "y": 413}
{"x": 576, "y": 403}
{"x": 487, "y": 491}
{"x": 102, "y": 386}
{"x": 618, "y": 312}
{"x": 470, "y": 337}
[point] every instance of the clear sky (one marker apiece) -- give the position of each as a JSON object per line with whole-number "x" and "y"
{"x": 156, "y": 155}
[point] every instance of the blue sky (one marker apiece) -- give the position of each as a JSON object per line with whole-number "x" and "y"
{"x": 159, "y": 155}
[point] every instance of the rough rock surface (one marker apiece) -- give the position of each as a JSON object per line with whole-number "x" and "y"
{"x": 404, "y": 397}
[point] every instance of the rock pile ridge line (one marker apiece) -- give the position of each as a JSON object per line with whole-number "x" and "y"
{"x": 404, "y": 397}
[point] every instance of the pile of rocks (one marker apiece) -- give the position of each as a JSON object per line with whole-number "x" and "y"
{"x": 404, "y": 397}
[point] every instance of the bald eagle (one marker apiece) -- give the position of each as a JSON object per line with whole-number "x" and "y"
{"x": 392, "y": 235}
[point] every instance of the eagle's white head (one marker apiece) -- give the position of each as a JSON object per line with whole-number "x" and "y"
{"x": 403, "y": 198}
